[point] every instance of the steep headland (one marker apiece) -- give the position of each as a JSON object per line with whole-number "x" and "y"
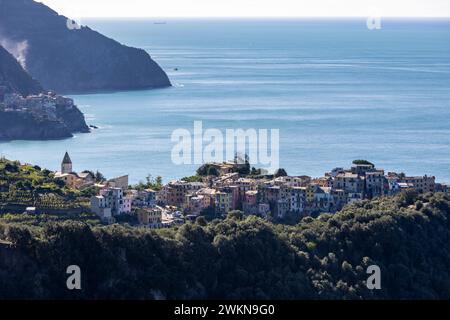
{"x": 25, "y": 126}
{"x": 72, "y": 60}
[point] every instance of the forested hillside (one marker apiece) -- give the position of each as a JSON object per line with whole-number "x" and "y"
{"x": 240, "y": 257}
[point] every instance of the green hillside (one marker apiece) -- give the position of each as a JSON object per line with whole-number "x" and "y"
{"x": 240, "y": 258}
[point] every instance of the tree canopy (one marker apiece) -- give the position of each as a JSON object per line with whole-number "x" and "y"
{"x": 362, "y": 162}
{"x": 240, "y": 257}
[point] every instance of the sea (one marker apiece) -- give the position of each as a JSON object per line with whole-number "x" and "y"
{"x": 335, "y": 89}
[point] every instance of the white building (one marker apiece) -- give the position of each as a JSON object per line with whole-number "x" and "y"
{"x": 100, "y": 208}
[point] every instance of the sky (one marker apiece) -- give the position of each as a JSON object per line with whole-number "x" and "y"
{"x": 250, "y": 8}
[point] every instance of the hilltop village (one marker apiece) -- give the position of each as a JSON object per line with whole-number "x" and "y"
{"x": 216, "y": 190}
{"x": 40, "y": 116}
{"x": 43, "y": 105}
{"x": 220, "y": 188}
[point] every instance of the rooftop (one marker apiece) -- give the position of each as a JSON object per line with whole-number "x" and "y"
{"x": 347, "y": 175}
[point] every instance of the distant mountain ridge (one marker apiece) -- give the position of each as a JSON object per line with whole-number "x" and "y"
{"x": 69, "y": 59}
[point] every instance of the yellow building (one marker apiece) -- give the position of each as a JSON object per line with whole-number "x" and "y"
{"x": 155, "y": 218}
{"x": 151, "y": 217}
{"x": 223, "y": 202}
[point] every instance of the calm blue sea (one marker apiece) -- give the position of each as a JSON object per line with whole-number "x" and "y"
{"x": 336, "y": 90}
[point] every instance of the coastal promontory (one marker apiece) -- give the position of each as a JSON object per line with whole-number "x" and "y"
{"x": 73, "y": 59}
{"x": 27, "y": 112}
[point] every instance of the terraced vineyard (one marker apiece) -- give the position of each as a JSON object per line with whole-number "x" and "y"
{"x": 30, "y": 186}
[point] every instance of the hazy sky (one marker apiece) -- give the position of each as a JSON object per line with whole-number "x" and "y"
{"x": 250, "y": 8}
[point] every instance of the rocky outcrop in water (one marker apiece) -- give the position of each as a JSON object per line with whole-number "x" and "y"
{"x": 65, "y": 58}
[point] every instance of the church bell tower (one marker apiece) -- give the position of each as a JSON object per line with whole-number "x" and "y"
{"x": 66, "y": 165}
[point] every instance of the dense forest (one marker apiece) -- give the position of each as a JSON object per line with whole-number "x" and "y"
{"x": 240, "y": 257}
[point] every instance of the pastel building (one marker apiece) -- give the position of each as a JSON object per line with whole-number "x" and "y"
{"x": 142, "y": 198}
{"x": 175, "y": 192}
{"x": 223, "y": 202}
{"x": 100, "y": 207}
{"x": 250, "y": 204}
{"x": 351, "y": 183}
{"x": 115, "y": 200}
{"x": 421, "y": 184}
{"x": 155, "y": 218}
{"x": 195, "y": 204}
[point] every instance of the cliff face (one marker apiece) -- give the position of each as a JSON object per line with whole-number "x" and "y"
{"x": 73, "y": 60}
{"x": 32, "y": 125}
{"x": 14, "y": 78}
{"x": 73, "y": 119}
{"x": 24, "y": 126}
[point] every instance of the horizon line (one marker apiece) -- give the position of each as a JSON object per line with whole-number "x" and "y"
{"x": 263, "y": 17}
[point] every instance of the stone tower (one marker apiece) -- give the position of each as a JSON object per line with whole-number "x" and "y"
{"x": 66, "y": 165}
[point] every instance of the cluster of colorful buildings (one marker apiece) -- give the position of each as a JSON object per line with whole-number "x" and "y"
{"x": 114, "y": 200}
{"x": 42, "y": 105}
{"x": 267, "y": 196}
{"x": 280, "y": 197}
